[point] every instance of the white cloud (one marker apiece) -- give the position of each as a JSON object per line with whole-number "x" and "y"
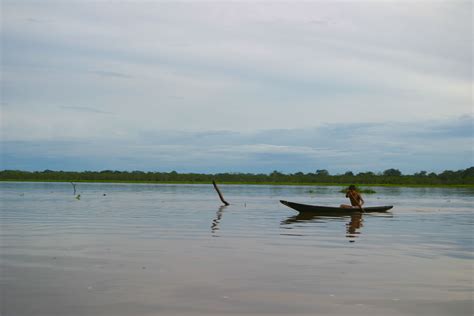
{"x": 429, "y": 145}
{"x": 79, "y": 71}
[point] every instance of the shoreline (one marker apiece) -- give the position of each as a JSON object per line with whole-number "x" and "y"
{"x": 250, "y": 183}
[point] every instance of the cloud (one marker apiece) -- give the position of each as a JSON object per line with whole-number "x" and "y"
{"x": 239, "y": 86}
{"x": 112, "y": 74}
{"x": 336, "y": 147}
{"x": 462, "y": 128}
{"x": 84, "y": 109}
{"x": 263, "y": 59}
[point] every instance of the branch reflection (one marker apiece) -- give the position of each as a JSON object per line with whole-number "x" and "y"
{"x": 217, "y": 219}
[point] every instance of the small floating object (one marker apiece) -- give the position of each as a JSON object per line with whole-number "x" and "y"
{"x": 78, "y": 197}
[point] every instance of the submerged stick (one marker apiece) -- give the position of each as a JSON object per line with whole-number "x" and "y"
{"x": 219, "y": 192}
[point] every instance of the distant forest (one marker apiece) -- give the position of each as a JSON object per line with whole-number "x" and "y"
{"x": 387, "y": 177}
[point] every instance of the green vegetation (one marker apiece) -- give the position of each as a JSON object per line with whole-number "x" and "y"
{"x": 463, "y": 177}
{"x": 360, "y": 190}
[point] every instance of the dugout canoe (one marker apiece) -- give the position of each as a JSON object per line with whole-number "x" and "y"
{"x": 306, "y": 208}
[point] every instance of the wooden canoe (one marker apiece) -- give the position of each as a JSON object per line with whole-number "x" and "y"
{"x": 305, "y": 208}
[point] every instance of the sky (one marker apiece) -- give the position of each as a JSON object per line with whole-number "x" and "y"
{"x": 237, "y": 86}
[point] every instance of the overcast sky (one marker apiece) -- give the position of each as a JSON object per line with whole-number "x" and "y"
{"x": 237, "y": 87}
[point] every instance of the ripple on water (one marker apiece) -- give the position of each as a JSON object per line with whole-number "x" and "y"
{"x": 146, "y": 244}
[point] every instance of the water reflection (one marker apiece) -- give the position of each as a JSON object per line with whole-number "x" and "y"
{"x": 217, "y": 219}
{"x": 355, "y": 221}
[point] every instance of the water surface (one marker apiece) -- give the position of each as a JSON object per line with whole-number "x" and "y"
{"x": 143, "y": 249}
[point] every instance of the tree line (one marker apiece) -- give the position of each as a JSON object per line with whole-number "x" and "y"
{"x": 389, "y": 176}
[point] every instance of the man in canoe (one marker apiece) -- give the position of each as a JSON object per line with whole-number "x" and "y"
{"x": 356, "y": 199}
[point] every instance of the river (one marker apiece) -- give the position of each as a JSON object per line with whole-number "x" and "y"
{"x": 157, "y": 249}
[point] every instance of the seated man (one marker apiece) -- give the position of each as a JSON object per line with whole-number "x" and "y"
{"x": 356, "y": 199}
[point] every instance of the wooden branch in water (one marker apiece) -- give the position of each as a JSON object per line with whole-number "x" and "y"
{"x": 219, "y": 192}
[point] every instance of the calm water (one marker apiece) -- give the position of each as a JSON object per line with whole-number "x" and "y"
{"x": 132, "y": 249}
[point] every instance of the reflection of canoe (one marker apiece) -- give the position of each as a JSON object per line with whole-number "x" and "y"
{"x": 323, "y": 217}
{"x": 334, "y": 210}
